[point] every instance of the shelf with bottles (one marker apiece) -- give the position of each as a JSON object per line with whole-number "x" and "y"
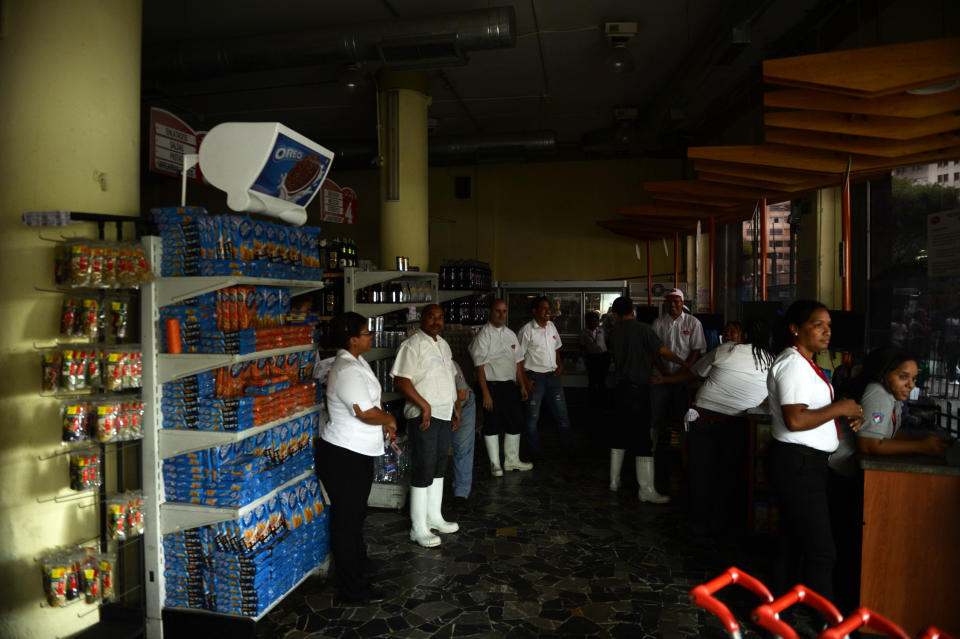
{"x": 465, "y": 275}
{"x": 468, "y": 310}
{"x": 374, "y": 293}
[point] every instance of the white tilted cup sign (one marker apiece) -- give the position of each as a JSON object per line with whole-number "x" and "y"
{"x": 264, "y": 167}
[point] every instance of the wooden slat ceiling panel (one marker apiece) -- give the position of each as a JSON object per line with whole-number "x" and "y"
{"x": 860, "y": 145}
{"x": 795, "y": 158}
{"x": 674, "y": 210}
{"x": 791, "y": 189}
{"x": 661, "y": 190}
{"x": 901, "y": 105}
{"x": 870, "y": 72}
{"x": 775, "y": 175}
{"x": 876, "y": 126}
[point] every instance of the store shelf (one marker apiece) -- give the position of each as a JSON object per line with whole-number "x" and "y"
{"x": 171, "y": 367}
{"x": 175, "y": 516}
{"x": 373, "y": 310}
{"x": 448, "y": 295}
{"x": 176, "y": 442}
{"x": 379, "y": 353}
{"x": 177, "y": 289}
{"x": 360, "y": 279}
{"x": 322, "y": 569}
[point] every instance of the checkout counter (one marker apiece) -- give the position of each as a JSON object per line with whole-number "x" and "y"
{"x": 910, "y": 561}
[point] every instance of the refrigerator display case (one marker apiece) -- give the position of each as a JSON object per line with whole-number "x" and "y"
{"x": 570, "y": 300}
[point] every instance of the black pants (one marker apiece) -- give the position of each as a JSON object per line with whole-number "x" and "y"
{"x": 632, "y": 422}
{"x": 806, "y": 552}
{"x": 347, "y": 477}
{"x": 718, "y": 449}
{"x": 507, "y": 413}
{"x": 597, "y": 365}
{"x": 429, "y": 449}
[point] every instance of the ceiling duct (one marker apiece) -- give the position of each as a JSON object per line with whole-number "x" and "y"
{"x": 423, "y": 42}
{"x": 492, "y": 148}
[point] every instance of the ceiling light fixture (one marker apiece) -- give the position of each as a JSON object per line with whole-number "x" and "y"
{"x": 353, "y": 79}
{"x": 618, "y": 34}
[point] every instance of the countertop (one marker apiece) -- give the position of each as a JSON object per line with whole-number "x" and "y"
{"x": 909, "y": 464}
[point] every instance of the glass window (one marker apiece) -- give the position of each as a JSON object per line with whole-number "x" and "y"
{"x": 567, "y": 309}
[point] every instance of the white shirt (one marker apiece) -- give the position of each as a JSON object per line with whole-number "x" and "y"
{"x": 351, "y": 381}
{"x": 540, "y": 346}
{"x": 428, "y": 364}
{"x": 682, "y": 336}
{"x": 498, "y": 351}
{"x": 792, "y": 380}
{"x": 734, "y": 383}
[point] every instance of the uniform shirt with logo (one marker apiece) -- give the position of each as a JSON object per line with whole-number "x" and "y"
{"x": 351, "y": 381}
{"x": 498, "y": 351}
{"x": 540, "y": 345}
{"x": 881, "y": 413}
{"x": 682, "y": 335}
{"x": 428, "y": 364}
{"x": 793, "y": 380}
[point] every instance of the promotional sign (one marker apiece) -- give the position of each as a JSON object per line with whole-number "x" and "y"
{"x": 293, "y": 172}
{"x": 943, "y": 238}
{"x": 170, "y": 139}
{"x": 339, "y": 205}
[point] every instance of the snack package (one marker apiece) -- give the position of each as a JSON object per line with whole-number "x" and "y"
{"x": 85, "y": 470}
{"x": 105, "y": 421}
{"x": 90, "y": 579}
{"x": 74, "y": 417}
{"x": 135, "y": 523}
{"x": 50, "y": 367}
{"x": 106, "y": 562}
{"x": 118, "y": 318}
{"x": 117, "y": 517}
{"x": 55, "y": 569}
{"x": 79, "y": 270}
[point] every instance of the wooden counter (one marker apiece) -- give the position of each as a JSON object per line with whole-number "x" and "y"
{"x": 910, "y": 569}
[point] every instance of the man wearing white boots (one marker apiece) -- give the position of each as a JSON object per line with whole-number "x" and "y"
{"x": 498, "y": 357}
{"x": 634, "y": 345}
{"x": 423, "y": 371}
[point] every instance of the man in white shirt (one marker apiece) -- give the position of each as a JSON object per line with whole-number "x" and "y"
{"x": 423, "y": 371}
{"x": 682, "y": 333}
{"x": 543, "y": 367}
{"x": 498, "y": 357}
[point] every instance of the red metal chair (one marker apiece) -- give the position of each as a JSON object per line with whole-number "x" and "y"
{"x": 933, "y": 633}
{"x": 767, "y": 615}
{"x": 702, "y": 596}
{"x": 863, "y": 617}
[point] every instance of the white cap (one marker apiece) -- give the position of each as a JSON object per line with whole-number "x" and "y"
{"x": 674, "y": 292}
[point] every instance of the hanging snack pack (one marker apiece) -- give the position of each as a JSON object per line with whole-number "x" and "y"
{"x": 85, "y": 470}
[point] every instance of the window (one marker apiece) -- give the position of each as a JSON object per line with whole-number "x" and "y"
{"x": 956, "y": 177}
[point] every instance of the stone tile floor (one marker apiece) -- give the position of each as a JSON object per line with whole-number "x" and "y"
{"x": 546, "y": 553}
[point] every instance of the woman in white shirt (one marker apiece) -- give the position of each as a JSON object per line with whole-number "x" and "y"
{"x": 735, "y": 380}
{"x": 805, "y": 432}
{"x": 345, "y": 453}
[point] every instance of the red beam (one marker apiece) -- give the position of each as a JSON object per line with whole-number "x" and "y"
{"x": 676, "y": 260}
{"x": 713, "y": 233}
{"x": 763, "y": 249}
{"x": 649, "y": 276}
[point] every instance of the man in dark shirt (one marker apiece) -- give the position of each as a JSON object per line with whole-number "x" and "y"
{"x": 634, "y": 345}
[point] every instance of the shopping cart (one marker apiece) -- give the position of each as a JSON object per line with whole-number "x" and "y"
{"x": 767, "y": 616}
{"x": 860, "y": 617}
{"x": 702, "y": 596}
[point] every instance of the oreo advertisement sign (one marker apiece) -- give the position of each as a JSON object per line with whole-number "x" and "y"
{"x": 293, "y": 172}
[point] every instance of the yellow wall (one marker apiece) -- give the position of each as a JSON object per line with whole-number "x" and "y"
{"x": 818, "y": 252}
{"x": 69, "y": 107}
{"x": 538, "y": 221}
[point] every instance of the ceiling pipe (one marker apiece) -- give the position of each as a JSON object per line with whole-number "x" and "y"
{"x": 429, "y": 41}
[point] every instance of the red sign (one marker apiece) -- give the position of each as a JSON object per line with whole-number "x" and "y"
{"x": 170, "y": 139}
{"x": 339, "y": 205}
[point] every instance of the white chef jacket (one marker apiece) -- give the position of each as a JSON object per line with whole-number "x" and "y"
{"x": 428, "y": 364}
{"x": 540, "y": 346}
{"x": 498, "y": 351}
{"x": 351, "y": 381}
{"x": 734, "y": 382}
{"x": 793, "y": 380}
{"x": 682, "y": 336}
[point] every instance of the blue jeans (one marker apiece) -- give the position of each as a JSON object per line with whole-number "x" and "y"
{"x": 547, "y": 389}
{"x": 429, "y": 450}
{"x": 463, "y": 440}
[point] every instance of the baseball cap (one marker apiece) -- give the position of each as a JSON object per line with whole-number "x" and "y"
{"x": 674, "y": 292}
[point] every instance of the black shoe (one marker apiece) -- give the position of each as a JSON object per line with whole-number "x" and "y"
{"x": 371, "y": 597}
{"x": 460, "y": 504}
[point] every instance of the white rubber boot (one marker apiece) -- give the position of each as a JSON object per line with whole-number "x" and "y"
{"x": 511, "y": 454}
{"x": 419, "y": 532}
{"x": 435, "y": 519}
{"x": 493, "y": 452}
{"x": 645, "y": 479}
{"x": 616, "y": 464}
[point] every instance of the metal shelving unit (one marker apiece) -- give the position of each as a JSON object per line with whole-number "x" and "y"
{"x": 159, "y": 444}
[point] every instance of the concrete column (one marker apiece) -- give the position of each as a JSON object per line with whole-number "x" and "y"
{"x": 70, "y": 135}
{"x": 404, "y": 98}
{"x": 818, "y": 275}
